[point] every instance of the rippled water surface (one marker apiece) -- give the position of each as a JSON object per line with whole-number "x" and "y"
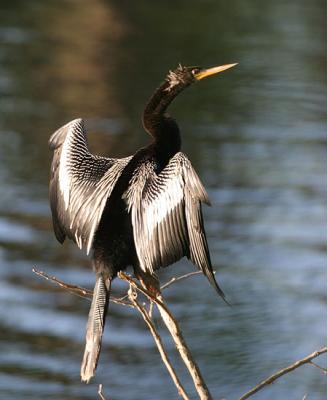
{"x": 257, "y": 136}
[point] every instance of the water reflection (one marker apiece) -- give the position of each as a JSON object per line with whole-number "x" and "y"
{"x": 257, "y": 136}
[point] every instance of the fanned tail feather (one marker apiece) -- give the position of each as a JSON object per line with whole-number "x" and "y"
{"x": 95, "y": 327}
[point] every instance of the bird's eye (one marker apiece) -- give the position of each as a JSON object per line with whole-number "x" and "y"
{"x": 195, "y": 70}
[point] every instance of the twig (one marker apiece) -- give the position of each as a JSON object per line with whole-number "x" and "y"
{"x": 179, "y": 278}
{"x": 167, "y": 284}
{"x": 322, "y": 370}
{"x": 71, "y": 288}
{"x": 76, "y": 290}
{"x": 278, "y": 374}
{"x": 100, "y": 392}
{"x": 158, "y": 341}
{"x": 176, "y": 333}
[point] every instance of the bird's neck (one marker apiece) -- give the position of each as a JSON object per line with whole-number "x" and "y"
{"x": 159, "y": 124}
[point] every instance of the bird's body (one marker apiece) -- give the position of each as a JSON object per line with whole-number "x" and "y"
{"x": 142, "y": 211}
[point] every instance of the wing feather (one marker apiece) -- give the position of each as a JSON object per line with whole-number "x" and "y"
{"x": 80, "y": 184}
{"x": 167, "y": 217}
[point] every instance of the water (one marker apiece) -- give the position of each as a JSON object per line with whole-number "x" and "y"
{"x": 257, "y": 137}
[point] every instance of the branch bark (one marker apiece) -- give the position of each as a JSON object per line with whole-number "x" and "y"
{"x": 184, "y": 351}
{"x": 132, "y": 296}
{"x": 177, "y": 336}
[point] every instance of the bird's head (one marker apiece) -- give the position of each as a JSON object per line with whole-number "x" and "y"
{"x": 155, "y": 119}
{"x": 182, "y": 77}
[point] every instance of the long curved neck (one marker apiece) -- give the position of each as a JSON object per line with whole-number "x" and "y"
{"x": 158, "y": 123}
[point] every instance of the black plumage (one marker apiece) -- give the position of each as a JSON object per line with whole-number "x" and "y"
{"x": 142, "y": 211}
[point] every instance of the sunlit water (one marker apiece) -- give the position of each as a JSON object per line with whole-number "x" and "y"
{"x": 256, "y": 135}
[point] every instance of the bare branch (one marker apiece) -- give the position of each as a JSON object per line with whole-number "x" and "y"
{"x": 184, "y": 351}
{"x": 278, "y": 374}
{"x": 167, "y": 318}
{"x": 77, "y": 290}
{"x": 179, "y": 278}
{"x": 100, "y": 392}
{"x": 322, "y": 370}
{"x": 177, "y": 336}
{"x": 167, "y": 284}
{"x": 151, "y": 304}
{"x": 158, "y": 341}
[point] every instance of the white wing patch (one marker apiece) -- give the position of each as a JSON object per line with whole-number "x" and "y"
{"x": 157, "y": 207}
{"x": 80, "y": 184}
{"x": 64, "y": 173}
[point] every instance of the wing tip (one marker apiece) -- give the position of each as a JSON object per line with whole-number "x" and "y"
{"x": 60, "y": 235}
{"x": 57, "y": 138}
{"x": 206, "y": 200}
{"x": 214, "y": 283}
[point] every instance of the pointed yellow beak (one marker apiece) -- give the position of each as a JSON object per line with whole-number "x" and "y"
{"x": 211, "y": 71}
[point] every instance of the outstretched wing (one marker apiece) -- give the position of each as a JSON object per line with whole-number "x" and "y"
{"x": 80, "y": 184}
{"x": 167, "y": 217}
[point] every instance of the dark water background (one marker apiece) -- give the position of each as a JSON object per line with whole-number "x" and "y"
{"x": 257, "y": 136}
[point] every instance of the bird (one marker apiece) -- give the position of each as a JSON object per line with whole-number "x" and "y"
{"x": 143, "y": 211}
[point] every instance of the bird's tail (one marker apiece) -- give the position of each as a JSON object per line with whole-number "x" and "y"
{"x": 95, "y": 326}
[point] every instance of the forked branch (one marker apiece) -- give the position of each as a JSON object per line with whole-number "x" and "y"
{"x": 133, "y": 296}
{"x": 177, "y": 336}
{"x": 278, "y": 374}
{"x": 167, "y": 317}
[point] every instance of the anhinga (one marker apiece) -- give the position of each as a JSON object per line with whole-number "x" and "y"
{"x": 142, "y": 211}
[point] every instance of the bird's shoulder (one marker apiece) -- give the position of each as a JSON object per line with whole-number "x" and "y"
{"x": 145, "y": 159}
{"x": 152, "y": 158}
